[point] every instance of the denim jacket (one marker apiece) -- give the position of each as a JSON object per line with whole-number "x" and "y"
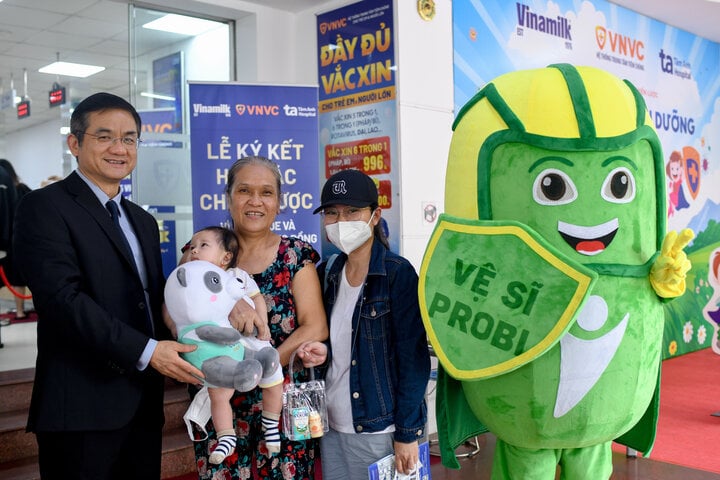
{"x": 390, "y": 363}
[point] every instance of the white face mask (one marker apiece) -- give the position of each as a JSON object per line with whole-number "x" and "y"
{"x": 198, "y": 413}
{"x": 348, "y": 236}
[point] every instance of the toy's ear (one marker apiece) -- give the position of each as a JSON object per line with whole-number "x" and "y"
{"x": 234, "y": 287}
{"x": 181, "y": 277}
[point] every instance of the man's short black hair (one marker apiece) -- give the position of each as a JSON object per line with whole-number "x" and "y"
{"x": 99, "y": 102}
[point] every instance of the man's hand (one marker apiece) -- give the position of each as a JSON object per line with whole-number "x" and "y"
{"x": 245, "y": 320}
{"x": 667, "y": 275}
{"x": 166, "y": 360}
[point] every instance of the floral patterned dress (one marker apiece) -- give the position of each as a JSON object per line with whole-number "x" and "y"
{"x": 296, "y": 459}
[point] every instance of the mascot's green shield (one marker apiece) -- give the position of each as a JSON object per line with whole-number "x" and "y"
{"x": 494, "y": 295}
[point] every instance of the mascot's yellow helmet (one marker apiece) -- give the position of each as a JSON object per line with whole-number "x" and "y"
{"x": 560, "y": 107}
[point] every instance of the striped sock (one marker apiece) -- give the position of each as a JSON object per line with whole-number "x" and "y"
{"x": 225, "y": 446}
{"x": 270, "y": 423}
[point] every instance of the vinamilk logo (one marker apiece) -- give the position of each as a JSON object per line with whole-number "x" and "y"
{"x": 558, "y": 26}
{"x": 201, "y": 109}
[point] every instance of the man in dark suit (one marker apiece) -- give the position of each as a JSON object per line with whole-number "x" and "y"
{"x": 97, "y": 401}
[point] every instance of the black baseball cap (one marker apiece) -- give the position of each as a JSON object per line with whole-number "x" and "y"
{"x": 348, "y": 187}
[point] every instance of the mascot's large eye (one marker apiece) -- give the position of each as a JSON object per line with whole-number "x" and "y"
{"x": 553, "y": 187}
{"x": 619, "y": 186}
{"x": 212, "y": 282}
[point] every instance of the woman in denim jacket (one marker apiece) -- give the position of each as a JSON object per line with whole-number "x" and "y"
{"x": 378, "y": 363}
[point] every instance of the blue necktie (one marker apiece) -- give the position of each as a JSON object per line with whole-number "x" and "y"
{"x": 115, "y": 215}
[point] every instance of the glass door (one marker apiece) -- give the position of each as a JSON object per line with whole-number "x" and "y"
{"x": 167, "y": 50}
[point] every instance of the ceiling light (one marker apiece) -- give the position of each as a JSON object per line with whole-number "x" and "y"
{"x": 181, "y": 24}
{"x": 158, "y": 96}
{"x": 71, "y": 69}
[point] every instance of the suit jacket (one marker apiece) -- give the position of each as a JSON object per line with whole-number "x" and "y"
{"x": 91, "y": 308}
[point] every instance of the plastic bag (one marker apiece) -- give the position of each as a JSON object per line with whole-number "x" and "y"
{"x": 304, "y": 413}
{"x": 384, "y": 469}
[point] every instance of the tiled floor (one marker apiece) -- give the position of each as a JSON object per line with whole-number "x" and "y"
{"x": 19, "y": 346}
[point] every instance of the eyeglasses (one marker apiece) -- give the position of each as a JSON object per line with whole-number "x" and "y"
{"x": 350, "y": 213}
{"x": 106, "y": 140}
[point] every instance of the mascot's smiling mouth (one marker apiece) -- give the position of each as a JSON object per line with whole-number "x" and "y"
{"x": 589, "y": 240}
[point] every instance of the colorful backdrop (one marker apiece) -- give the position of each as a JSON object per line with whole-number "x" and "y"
{"x": 678, "y": 74}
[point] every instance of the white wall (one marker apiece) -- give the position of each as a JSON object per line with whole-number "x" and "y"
{"x": 36, "y": 152}
{"x": 262, "y": 37}
{"x": 425, "y": 93}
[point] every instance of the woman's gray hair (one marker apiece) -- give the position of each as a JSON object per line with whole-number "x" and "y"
{"x": 252, "y": 160}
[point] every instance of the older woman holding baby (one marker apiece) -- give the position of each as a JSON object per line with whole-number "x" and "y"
{"x": 284, "y": 269}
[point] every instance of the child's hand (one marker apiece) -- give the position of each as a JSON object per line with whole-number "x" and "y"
{"x": 312, "y": 354}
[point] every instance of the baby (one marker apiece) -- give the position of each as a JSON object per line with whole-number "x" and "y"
{"x": 219, "y": 246}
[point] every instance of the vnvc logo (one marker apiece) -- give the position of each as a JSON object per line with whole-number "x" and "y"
{"x": 333, "y": 25}
{"x": 620, "y": 44}
{"x": 242, "y": 108}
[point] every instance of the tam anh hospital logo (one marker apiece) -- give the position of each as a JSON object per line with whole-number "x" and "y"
{"x": 675, "y": 66}
{"x": 299, "y": 111}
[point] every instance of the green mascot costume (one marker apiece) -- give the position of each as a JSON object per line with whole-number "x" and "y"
{"x": 543, "y": 283}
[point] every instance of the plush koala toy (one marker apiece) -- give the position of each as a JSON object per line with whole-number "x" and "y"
{"x": 199, "y": 296}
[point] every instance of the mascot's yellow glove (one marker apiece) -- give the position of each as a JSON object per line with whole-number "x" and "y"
{"x": 667, "y": 275}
